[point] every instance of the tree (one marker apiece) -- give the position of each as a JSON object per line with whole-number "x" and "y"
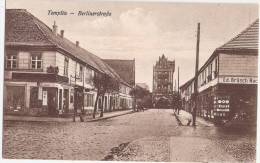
{"x": 142, "y": 95}
{"x": 104, "y": 84}
{"x": 139, "y": 92}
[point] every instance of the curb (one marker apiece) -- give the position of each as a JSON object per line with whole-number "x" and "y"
{"x": 104, "y": 118}
{"x": 66, "y": 119}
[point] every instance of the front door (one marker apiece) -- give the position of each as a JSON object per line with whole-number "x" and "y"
{"x": 52, "y": 101}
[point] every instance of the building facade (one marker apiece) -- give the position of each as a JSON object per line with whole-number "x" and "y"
{"x": 126, "y": 70}
{"x": 227, "y": 82}
{"x": 47, "y": 74}
{"x": 163, "y": 72}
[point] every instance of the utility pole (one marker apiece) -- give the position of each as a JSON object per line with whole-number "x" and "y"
{"x": 178, "y": 81}
{"x": 178, "y": 95}
{"x": 194, "y": 112}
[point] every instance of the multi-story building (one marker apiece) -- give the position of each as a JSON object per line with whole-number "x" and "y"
{"x": 186, "y": 92}
{"x": 227, "y": 82}
{"x": 44, "y": 71}
{"x": 163, "y": 72}
{"x": 126, "y": 70}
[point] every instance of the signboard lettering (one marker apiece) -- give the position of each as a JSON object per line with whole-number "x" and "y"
{"x": 238, "y": 80}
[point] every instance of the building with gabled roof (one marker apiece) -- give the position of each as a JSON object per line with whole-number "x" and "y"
{"x": 246, "y": 40}
{"x": 45, "y": 73}
{"x": 124, "y": 68}
{"x": 227, "y": 82}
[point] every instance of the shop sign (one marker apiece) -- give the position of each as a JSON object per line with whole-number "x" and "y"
{"x": 44, "y": 98}
{"x": 238, "y": 80}
{"x": 221, "y": 103}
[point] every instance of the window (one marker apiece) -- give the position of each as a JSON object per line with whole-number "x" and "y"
{"x": 210, "y": 69}
{"x": 216, "y": 67}
{"x": 15, "y": 96}
{"x": 216, "y": 64}
{"x": 90, "y": 100}
{"x": 36, "y": 61}
{"x": 89, "y": 74}
{"x": 66, "y": 66}
{"x": 210, "y": 72}
{"x": 80, "y": 72}
{"x": 11, "y": 61}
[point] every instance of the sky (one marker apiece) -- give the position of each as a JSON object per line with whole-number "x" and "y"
{"x": 145, "y": 30}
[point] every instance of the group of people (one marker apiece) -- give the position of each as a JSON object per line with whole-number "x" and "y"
{"x": 139, "y": 106}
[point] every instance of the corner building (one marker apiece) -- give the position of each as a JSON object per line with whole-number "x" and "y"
{"x": 227, "y": 82}
{"x": 46, "y": 73}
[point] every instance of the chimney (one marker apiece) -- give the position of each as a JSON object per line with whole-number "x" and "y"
{"x": 77, "y": 43}
{"x": 54, "y": 28}
{"x": 62, "y": 33}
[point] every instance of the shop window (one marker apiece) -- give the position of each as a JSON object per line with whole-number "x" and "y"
{"x": 36, "y": 61}
{"x": 15, "y": 96}
{"x": 11, "y": 61}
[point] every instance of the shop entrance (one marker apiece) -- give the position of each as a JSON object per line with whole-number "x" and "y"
{"x": 52, "y": 101}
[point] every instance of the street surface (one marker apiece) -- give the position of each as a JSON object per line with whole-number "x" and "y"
{"x": 152, "y": 135}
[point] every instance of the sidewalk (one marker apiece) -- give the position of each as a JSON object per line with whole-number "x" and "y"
{"x": 185, "y": 116}
{"x": 68, "y": 119}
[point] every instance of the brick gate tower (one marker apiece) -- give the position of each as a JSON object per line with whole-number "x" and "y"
{"x": 163, "y": 72}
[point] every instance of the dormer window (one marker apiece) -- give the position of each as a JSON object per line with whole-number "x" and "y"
{"x": 36, "y": 61}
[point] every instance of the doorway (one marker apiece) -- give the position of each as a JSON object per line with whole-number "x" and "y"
{"x": 52, "y": 101}
{"x": 66, "y": 101}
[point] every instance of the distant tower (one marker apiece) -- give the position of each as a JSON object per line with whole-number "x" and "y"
{"x": 163, "y": 72}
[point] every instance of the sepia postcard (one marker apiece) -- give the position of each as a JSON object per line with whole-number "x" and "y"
{"x": 153, "y": 81}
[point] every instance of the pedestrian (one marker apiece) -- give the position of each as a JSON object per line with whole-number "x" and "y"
{"x": 60, "y": 113}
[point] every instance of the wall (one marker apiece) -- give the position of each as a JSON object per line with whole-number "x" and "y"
{"x": 239, "y": 65}
{"x": 49, "y": 59}
{"x": 24, "y": 59}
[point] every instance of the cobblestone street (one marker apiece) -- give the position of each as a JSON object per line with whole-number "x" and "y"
{"x": 153, "y": 135}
